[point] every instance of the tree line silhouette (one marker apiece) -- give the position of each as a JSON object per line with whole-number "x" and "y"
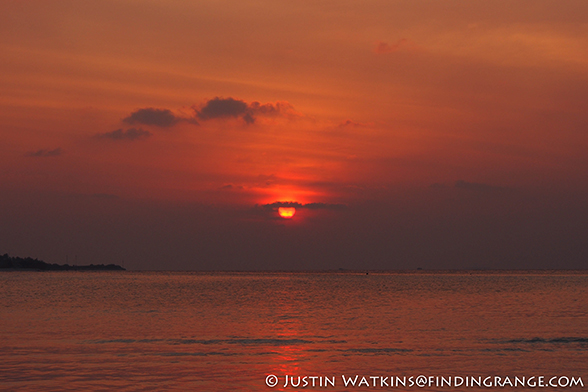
{"x": 8, "y": 262}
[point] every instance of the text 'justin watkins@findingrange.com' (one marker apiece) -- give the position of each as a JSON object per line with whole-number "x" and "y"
{"x": 421, "y": 381}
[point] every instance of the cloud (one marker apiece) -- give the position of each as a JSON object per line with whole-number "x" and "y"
{"x": 475, "y": 186}
{"x": 129, "y": 134}
{"x": 279, "y": 108}
{"x": 46, "y": 153}
{"x": 310, "y": 206}
{"x": 152, "y": 116}
{"x": 235, "y": 108}
{"x": 264, "y": 180}
{"x": 231, "y": 186}
{"x": 216, "y": 108}
{"x": 351, "y": 123}
{"x": 324, "y": 206}
{"x": 348, "y": 123}
{"x": 223, "y": 108}
{"x": 384, "y": 47}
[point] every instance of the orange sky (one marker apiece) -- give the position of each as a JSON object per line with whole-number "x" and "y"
{"x": 366, "y": 102}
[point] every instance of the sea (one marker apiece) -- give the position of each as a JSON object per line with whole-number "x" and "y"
{"x": 292, "y": 331}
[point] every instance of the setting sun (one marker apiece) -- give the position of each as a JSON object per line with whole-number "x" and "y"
{"x": 287, "y": 212}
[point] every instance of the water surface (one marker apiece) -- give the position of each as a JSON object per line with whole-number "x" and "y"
{"x": 227, "y": 331}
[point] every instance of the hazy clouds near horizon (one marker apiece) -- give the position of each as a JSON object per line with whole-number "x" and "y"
{"x": 435, "y": 231}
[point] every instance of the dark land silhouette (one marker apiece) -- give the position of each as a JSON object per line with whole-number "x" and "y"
{"x": 18, "y": 263}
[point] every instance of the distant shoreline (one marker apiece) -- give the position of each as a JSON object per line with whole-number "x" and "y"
{"x": 8, "y": 263}
{"x": 375, "y": 273}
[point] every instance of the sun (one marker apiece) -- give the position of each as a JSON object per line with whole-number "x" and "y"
{"x": 287, "y": 212}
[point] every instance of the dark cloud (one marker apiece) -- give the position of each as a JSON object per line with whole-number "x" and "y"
{"x": 271, "y": 109}
{"x": 129, "y": 134}
{"x": 216, "y": 108}
{"x": 310, "y": 206}
{"x": 324, "y": 206}
{"x": 475, "y": 186}
{"x": 46, "y": 153}
{"x": 223, "y": 108}
{"x": 231, "y": 187}
{"x": 236, "y": 108}
{"x": 248, "y": 118}
{"x": 152, "y": 116}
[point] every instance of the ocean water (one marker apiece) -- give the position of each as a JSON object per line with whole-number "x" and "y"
{"x": 143, "y": 331}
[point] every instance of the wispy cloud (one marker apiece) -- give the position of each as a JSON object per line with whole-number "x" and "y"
{"x": 384, "y": 47}
{"x": 310, "y": 206}
{"x": 45, "y": 153}
{"x": 129, "y": 134}
{"x": 152, "y": 116}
